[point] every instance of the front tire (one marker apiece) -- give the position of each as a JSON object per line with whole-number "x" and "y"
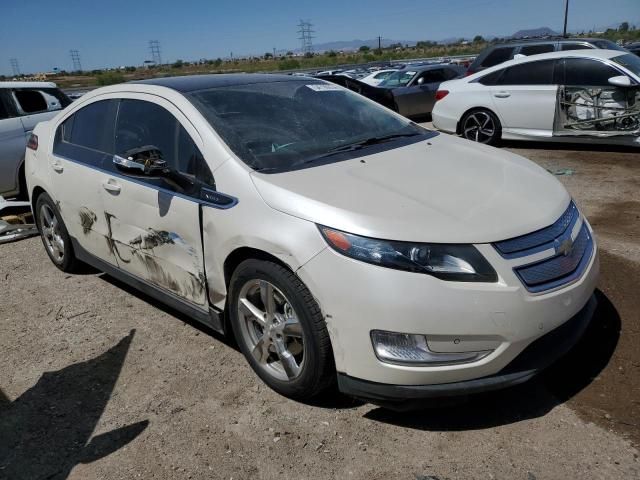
{"x": 481, "y": 126}
{"x": 280, "y": 329}
{"x": 54, "y": 235}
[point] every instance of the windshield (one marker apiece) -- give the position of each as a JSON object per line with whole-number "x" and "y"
{"x": 284, "y": 125}
{"x": 399, "y": 79}
{"x": 630, "y": 62}
{"x": 608, "y": 45}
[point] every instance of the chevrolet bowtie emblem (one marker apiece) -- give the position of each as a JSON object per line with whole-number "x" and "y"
{"x": 564, "y": 247}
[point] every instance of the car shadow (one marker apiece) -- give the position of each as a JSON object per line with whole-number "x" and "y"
{"x": 560, "y": 382}
{"x": 580, "y": 147}
{"x": 48, "y": 429}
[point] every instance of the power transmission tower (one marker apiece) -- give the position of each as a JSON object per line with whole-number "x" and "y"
{"x": 75, "y": 58}
{"x": 15, "y": 66}
{"x": 306, "y": 35}
{"x": 154, "y": 46}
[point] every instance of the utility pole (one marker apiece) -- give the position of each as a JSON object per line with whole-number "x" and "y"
{"x": 274, "y": 52}
{"x": 154, "y": 47}
{"x": 75, "y": 58}
{"x": 379, "y": 43}
{"x": 15, "y": 67}
{"x": 306, "y": 36}
{"x": 566, "y": 15}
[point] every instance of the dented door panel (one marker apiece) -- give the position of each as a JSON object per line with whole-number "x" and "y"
{"x": 159, "y": 240}
{"x": 597, "y": 111}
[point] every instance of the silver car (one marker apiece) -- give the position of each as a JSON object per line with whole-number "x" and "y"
{"x": 22, "y": 106}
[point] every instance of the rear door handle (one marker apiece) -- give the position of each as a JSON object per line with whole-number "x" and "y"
{"x": 502, "y": 94}
{"x": 111, "y": 186}
{"x": 57, "y": 167}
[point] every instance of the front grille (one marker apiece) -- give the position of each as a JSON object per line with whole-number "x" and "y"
{"x": 567, "y": 264}
{"x": 560, "y": 269}
{"x": 539, "y": 240}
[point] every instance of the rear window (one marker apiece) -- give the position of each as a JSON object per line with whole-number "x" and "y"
{"x": 530, "y": 73}
{"x": 497, "y": 56}
{"x": 537, "y": 49}
{"x": 30, "y": 100}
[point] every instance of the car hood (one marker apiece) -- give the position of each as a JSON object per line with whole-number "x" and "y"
{"x": 444, "y": 190}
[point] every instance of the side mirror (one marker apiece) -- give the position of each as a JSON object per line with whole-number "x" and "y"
{"x": 420, "y": 80}
{"x": 145, "y": 160}
{"x": 620, "y": 81}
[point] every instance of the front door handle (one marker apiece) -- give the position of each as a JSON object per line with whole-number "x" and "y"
{"x": 502, "y": 95}
{"x": 111, "y": 186}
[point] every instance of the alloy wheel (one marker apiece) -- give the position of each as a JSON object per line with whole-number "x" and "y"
{"x": 50, "y": 228}
{"x": 271, "y": 329}
{"x": 479, "y": 127}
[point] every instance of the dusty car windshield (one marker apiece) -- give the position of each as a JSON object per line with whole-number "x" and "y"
{"x": 629, "y": 61}
{"x": 398, "y": 79}
{"x": 285, "y": 125}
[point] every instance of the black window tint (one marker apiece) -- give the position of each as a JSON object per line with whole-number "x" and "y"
{"x": 30, "y": 101}
{"x": 584, "y": 71}
{"x": 497, "y": 56}
{"x": 432, "y": 76}
{"x": 91, "y": 127}
{"x": 450, "y": 74}
{"x": 4, "y": 111}
{"x": 491, "y": 78}
{"x": 530, "y": 73}
{"x": 575, "y": 46}
{"x": 190, "y": 160}
{"x": 536, "y": 49}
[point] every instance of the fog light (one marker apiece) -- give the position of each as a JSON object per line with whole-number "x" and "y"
{"x": 410, "y": 349}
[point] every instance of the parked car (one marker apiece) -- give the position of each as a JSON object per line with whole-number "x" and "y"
{"x": 576, "y": 96}
{"x": 375, "y": 78}
{"x": 22, "y": 106}
{"x": 634, "y": 48}
{"x": 501, "y": 52}
{"x": 413, "y": 88}
{"x": 332, "y": 236}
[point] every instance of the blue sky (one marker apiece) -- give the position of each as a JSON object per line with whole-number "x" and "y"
{"x": 40, "y": 33}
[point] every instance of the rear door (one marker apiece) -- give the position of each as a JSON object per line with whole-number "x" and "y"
{"x": 83, "y": 143}
{"x": 154, "y": 219}
{"x": 38, "y": 104}
{"x": 525, "y": 98}
{"x": 419, "y": 97}
{"x": 12, "y": 145}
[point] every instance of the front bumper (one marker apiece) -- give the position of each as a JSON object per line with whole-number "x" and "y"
{"x": 535, "y": 358}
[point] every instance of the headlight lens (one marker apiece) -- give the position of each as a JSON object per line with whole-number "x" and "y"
{"x": 461, "y": 263}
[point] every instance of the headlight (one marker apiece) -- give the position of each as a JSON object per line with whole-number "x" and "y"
{"x": 461, "y": 263}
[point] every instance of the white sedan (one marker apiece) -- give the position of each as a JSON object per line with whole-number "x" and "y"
{"x": 376, "y": 78}
{"x": 576, "y": 96}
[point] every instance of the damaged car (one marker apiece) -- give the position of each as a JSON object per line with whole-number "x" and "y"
{"x": 573, "y": 96}
{"x": 336, "y": 240}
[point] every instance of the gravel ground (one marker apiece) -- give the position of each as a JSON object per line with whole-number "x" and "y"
{"x": 99, "y": 382}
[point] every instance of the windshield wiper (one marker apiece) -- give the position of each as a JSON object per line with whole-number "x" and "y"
{"x": 350, "y": 147}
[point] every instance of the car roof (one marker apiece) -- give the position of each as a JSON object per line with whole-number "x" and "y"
{"x": 548, "y": 40}
{"x": 27, "y": 85}
{"x": 192, "y": 83}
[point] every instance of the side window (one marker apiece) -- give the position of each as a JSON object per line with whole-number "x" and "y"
{"x": 530, "y": 73}
{"x": 492, "y": 78}
{"x": 497, "y": 56}
{"x": 450, "y": 74}
{"x": 4, "y": 111}
{"x": 587, "y": 72}
{"x": 432, "y": 76}
{"x": 87, "y": 135}
{"x": 575, "y": 46}
{"x": 31, "y": 100}
{"x": 536, "y": 49}
{"x": 145, "y": 124}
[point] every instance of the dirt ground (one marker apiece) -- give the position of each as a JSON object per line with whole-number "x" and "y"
{"x": 97, "y": 381}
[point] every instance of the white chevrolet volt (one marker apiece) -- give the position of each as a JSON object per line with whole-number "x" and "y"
{"x": 580, "y": 96}
{"x": 333, "y": 237}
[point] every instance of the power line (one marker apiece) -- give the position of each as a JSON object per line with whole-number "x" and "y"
{"x": 306, "y": 35}
{"x": 15, "y": 67}
{"x": 154, "y": 46}
{"x": 75, "y": 58}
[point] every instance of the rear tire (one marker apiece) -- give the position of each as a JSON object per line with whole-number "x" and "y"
{"x": 481, "y": 126}
{"x": 54, "y": 235}
{"x": 280, "y": 329}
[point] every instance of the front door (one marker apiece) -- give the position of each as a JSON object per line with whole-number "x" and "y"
{"x": 154, "y": 217}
